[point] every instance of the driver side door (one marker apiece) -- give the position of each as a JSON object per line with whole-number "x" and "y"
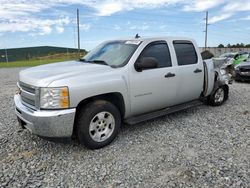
{"x": 154, "y": 89}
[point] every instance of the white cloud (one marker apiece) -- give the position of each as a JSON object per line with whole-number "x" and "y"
{"x": 231, "y": 8}
{"x": 236, "y": 6}
{"x": 108, "y": 8}
{"x": 201, "y": 5}
{"x": 38, "y": 26}
{"x": 117, "y": 27}
{"x": 85, "y": 27}
{"x": 139, "y": 27}
{"x": 45, "y": 30}
{"x": 23, "y": 15}
{"x": 102, "y": 7}
{"x": 246, "y": 18}
{"x": 59, "y": 29}
{"x": 221, "y": 17}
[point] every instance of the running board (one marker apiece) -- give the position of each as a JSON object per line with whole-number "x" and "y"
{"x": 165, "y": 111}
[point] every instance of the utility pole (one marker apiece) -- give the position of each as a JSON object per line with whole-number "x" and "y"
{"x": 206, "y": 30}
{"x": 78, "y": 32}
{"x": 6, "y": 56}
{"x": 67, "y": 53}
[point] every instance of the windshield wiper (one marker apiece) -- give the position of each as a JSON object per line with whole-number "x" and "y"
{"x": 95, "y": 61}
{"x": 99, "y": 62}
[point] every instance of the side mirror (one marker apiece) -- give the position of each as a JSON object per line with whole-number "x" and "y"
{"x": 146, "y": 63}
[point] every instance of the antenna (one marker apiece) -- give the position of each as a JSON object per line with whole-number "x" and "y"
{"x": 137, "y": 36}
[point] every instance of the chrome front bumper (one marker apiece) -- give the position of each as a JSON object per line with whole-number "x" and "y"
{"x": 46, "y": 123}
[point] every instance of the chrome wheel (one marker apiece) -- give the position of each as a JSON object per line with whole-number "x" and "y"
{"x": 219, "y": 95}
{"x": 102, "y": 126}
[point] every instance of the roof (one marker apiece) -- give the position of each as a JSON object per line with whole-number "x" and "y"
{"x": 152, "y": 39}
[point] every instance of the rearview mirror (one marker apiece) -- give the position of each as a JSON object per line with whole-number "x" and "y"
{"x": 146, "y": 63}
{"x": 237, "y": 56}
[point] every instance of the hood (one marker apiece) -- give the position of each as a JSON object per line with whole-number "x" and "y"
{"x": 42, "y": 76}
{"x": 244, "y": 64}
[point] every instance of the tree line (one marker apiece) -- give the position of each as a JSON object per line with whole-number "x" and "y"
{"x": 238, "y": 45}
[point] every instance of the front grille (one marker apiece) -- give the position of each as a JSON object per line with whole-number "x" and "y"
{"x": 28, "y": 101}
{"x": 27, "y": 88}
{"x": 28, "y": 95}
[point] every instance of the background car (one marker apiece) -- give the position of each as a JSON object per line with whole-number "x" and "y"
{"x": 228, "y": 55}
{"x": 240, "y": 57}
{"x": 242, "y": 71}
{"x": 236, "y": 57}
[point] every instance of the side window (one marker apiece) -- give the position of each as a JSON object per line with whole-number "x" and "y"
{"x": 160, "y": 52}
{"x": 185, "y": 52}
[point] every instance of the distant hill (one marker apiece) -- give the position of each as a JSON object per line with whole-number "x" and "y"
{"x": 18, "y": 54}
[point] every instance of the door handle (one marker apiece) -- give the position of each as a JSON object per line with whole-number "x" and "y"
{"x": 197, "y": 70}
{"x": 168, "y": 75}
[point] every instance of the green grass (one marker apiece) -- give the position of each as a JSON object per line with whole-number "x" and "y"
{"x": 31, "y": 63}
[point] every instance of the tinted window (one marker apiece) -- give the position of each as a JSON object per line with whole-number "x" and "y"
{"x": 160, "y": 52}
{"x": 185, "y": 52}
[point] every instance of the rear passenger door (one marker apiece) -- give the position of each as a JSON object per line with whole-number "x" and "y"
{"x": 190, "y": 71}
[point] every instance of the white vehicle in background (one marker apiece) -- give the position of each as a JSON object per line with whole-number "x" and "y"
{"x": 130, "y": 81}
{"x": 228, "y": 55}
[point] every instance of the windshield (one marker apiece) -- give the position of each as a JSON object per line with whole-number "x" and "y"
{"x": 114, "y": 54}
{"x": 228, "y": 55}
{"x": 245, "y": 56}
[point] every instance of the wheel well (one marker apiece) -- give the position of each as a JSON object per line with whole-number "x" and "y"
{"x": 216, "y": 76}
{"x": 115, "y": 98}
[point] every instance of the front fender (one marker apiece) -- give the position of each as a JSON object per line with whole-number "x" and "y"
{"x": 83, "y": 87}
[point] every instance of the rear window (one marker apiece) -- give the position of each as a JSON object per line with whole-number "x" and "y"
{"x": 185, "y": 52}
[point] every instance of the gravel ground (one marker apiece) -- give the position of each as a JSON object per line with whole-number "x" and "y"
{"x": 199, "y": 147}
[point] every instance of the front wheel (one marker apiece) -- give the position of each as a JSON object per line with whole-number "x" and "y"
{"x": 219, "y": 96}
{"x": 98, "y": 124}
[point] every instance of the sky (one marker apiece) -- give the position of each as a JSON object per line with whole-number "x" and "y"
{"x": 26, "y": 23}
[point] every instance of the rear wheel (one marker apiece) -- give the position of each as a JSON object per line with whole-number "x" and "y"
{"x": 98, "y": 124}
{"x": 218, "y": 97}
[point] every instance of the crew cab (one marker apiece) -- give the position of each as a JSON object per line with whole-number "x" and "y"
{"x": 128, "y": 80}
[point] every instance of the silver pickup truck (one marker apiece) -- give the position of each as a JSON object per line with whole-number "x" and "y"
{"x": 127, "y": 81}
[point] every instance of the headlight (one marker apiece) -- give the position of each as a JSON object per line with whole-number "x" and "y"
{"x": 54, "y": 98}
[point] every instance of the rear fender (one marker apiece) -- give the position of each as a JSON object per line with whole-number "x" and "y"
{"x": 209, "y": 79}
{"x": 225, "y": 70}
{"x": 213, "y": 76}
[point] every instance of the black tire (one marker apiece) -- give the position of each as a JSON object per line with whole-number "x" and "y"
{"x": 85, "y": 118}
{"x": 213, "y": 99}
